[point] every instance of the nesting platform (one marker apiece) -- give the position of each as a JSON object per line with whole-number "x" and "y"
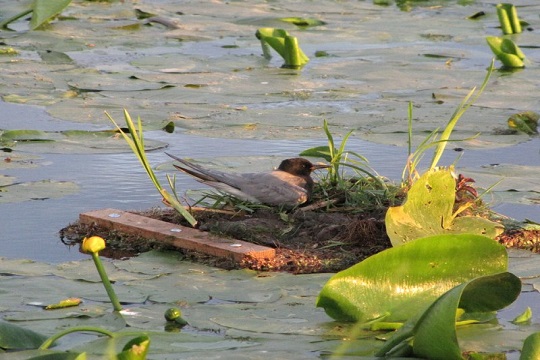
{"x": 178, "y": 236}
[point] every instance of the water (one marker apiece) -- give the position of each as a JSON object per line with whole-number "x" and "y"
{"x": 30, "y": 229}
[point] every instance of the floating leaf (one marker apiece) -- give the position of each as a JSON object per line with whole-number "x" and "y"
{"x": 428, "y": 210}
{"x": 59, "y": 355}
{"x": 524, "y": 317}
{"x": 397, "y": 283}
{"x": 135, "y": 349}
{"x": 8, "y": 51}
{"x": 433, "y": 332}
{"x": 303, "y": 22}
{"x": 64, "y": 303}
{"x": 10, "y": 136}
{"x": 526, "y": 122}
{"x": 15, "y": 337}
{"x": 36, "y": 190}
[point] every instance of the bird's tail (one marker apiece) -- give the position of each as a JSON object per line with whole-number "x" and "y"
{"x": 192, "y": 169}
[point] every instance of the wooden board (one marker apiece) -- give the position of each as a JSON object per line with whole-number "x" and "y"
{"x": 176, "y": 235}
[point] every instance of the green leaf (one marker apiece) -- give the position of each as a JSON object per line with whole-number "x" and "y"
{"x": 433, "y": 333}
{"x": 524, "y": 317}
{"x": 15, "y": 337}
{"x": 23, "y": 135}
{"x": 395, "y": 284}
{"x": 428, "y": 210}
{"x": 284, "y": 44}
{"x": 135, "y": 349}
{"x": 303, "y": 22}
{"x": 531, "y": 347}
{"x": 508, "y": 18}
{"x": 318, "y": 151}
{"x": 526, "y": 122}
{"x": 57, "y": 355}
{"x": 45, "y": 10}
{"x": 506, "y": 51}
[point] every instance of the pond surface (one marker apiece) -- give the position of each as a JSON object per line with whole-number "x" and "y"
{"x": 118, "y": 181}
{"x": 233, "y": 108}
{"x": 207, "y": 75}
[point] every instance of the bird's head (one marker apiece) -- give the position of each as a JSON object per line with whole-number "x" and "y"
{"x": 300, "y": 166}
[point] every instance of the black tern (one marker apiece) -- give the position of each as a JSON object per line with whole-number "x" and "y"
{"x": 289, "y": 185}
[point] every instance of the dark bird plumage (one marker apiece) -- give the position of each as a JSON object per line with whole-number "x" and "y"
{"x": 289, "y": 185}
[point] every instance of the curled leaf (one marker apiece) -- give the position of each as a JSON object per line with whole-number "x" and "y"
{"x": 64, "y": 304}
{"x": 526, "y": 122}
{"x": 506, "y": 51}
{"x": 524, "y": 317}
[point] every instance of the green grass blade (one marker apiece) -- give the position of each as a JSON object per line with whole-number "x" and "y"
{"x": 136, "y": 143}
{"x": 463, "y": 106}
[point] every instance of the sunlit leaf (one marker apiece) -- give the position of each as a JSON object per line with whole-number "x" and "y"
{"x": 531, "y": 347}
{"x": 434, "y": 331}
{"x": 284, "y": 44}
{"x": 506, "y": 51}
{"x": 526, "y": 122}
{"x": 135, "y": 349}
{"x": 508, "y": 18}
{"x": 428, "y": 210}
{"x": 524, "y": 317}
{"x": 396, "y": 283}
{"x": 303, "y": 22}
{"x": 64, "y": 304}
{"x": 45, "y": 10}
{"x": 319, "y": 151}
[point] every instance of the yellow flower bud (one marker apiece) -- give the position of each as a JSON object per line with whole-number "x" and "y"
{"x": 93, "y": 244}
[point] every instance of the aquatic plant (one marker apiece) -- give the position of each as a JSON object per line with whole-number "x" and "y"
{"x": 506, "y": 51}
{"x": 437, "y": 139}
{"x": 430, "y": 209}
{"x": 284, "y": 44}
{"x": 508, "y": 18}
{"x": 93, "y": 245}
{"x": 526, "y": 121}
{"x": 339, "y": 157}
{"x": 136, "y": 143}
{"x": 42, "y": 12}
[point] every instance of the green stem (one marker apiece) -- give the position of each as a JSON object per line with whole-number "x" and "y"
{"x": 47, "y": 343}
{"x": 106, "y": 282}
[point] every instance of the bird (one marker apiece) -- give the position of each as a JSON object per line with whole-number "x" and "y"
{"x": 289, "y": 185}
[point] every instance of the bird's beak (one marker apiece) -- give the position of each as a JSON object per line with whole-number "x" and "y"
{"x": 319, "y": 166}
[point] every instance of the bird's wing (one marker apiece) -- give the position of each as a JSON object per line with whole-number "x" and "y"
{"x": 222, "y": 181}
{"x": 201, "y": 174}
{"x": 274, "y": 188}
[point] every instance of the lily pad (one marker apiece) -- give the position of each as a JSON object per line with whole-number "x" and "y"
{"x": 17, "y": 338}
{"x": 71, "y": 141}
{"x": 434, "y": 331}
{"x": 428, "y": 210}
{"x": 398, "y": 282}
{"x": 37, "y": 190}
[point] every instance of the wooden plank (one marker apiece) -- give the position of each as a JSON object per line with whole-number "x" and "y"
{"x": 176, "y": 235}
